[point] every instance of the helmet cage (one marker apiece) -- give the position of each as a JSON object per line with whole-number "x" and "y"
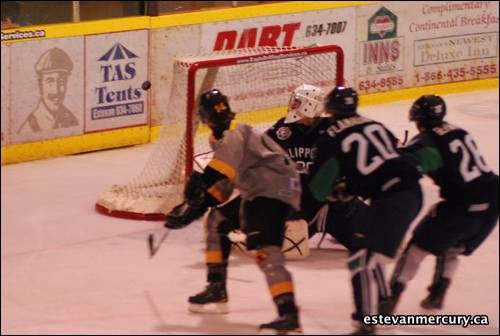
{"x": 304, "y": 102}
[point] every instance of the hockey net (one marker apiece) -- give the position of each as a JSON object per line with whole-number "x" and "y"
{"x": 257, "y": 82}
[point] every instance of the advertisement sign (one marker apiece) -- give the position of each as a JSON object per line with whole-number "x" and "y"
{"x": 454, "y": 41}
{"x": 455, "y": 48}
{"x": 300, "y": 29}
{"x": 47, "y": 93}
{"x": 454, "y": 58}
{"x": 5, "y": 95}
{"x": 116, "y": 67}
{"x": 426, "y": 43}
{"x": 381, "y": 54}
{"x": 325, "y": 27}
{"x": 322, "y": 27}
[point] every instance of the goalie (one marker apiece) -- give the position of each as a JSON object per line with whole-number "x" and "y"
{"x": 298, "y": 134}
{"x": 270, "y": 190}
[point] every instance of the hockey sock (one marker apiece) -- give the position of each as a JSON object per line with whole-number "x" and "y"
{"x": 217, "y": 260}
{"x": 408, "y": 264}
{"x": 271, "y": 262}
{"x": 447, "y": 264}
{"x": 286, "y": 304}
{"x": 217, "y": 272}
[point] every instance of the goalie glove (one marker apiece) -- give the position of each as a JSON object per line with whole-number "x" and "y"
{"x": 183, "y": 215}
{"x": 340, "y": 193}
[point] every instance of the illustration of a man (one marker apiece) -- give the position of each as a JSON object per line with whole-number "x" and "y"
{"x": 53, "y": 69}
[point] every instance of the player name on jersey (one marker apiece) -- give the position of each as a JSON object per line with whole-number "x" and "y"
{"x": 445, "y": 128}
{"x": 342, "y": 124}
{"x": 302, "y": 153}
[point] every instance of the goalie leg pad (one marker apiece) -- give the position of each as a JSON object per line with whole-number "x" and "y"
{"x": 296, "y": 242}
{"x": 364, "y": 266}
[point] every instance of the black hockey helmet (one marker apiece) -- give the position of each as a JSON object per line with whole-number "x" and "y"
{"x": 428, "y": 111}
{"x": 342, "y": 102}
{"x": 214, "y": 108}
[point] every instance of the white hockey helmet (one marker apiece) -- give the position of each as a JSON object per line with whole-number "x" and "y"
{"x": 305, "y": 101}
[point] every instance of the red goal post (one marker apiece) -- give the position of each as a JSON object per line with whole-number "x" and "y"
{"x": 257, "y": 81}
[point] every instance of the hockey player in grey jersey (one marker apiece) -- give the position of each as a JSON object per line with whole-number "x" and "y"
{"x": 270, "y": 190}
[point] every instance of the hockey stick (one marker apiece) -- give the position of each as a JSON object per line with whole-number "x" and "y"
{"x": 405, "y": 139}
{"x": 205, "y": 153}
{"x": 195, "y": 159}
{"x": 151, "y": 238}
{"x": 151, "y": 243}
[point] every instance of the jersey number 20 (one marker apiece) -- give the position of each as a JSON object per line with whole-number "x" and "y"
{"x": 373, "y": 134}
{"x": 469, "y": 171}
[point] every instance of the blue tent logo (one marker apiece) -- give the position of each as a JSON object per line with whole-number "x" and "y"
{"x": 117, "y": 52}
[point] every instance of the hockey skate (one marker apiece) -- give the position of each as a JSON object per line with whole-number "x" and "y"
{"x": 436, "y": 294}
{"x": 283, "y": 325}
{"x": 360, "y": 327}
{"x": 213, "y": 300}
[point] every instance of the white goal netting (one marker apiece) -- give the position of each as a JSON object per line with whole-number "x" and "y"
{"x": 257, "y": 82}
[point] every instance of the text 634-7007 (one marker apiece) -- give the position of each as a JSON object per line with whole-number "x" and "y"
{"x": 326, "y": 28}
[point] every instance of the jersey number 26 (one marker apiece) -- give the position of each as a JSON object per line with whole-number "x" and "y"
{"x": 469, "y": 171}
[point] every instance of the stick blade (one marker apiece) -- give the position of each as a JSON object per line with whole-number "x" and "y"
{"x": 406, "y": 137}
{"x": 150, "y": 245}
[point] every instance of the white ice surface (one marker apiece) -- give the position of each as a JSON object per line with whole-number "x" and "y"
{"x": 67, "y": 269}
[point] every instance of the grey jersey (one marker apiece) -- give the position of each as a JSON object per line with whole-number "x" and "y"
{"x": 257, "y": 164}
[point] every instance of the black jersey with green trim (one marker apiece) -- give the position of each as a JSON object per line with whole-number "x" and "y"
{"x": 450, "y": 156}
{"x": 299, "y": 141}
{"x": 363, "y": 152}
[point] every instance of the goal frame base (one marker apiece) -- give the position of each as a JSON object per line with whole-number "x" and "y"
{"x": 130, "y": 215}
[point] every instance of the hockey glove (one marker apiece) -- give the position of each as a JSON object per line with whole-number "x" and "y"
{"x": 183, "y": 215}
{"x": 463, "y": 249}
{"x": 196, "y": 203}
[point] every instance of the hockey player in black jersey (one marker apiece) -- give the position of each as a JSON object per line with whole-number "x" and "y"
{"x": 270, "y": 190}
{"x": 468, "y": 211}
{"x": 298, "y": 133}
{"x": 361, "y": 153}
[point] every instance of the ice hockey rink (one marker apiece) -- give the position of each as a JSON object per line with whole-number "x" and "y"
{"x": 68, "y": 270}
